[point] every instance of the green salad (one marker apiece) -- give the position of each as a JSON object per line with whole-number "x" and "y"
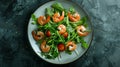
{"x": 59, "y": 30}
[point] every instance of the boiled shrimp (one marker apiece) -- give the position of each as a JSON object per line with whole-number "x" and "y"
{"x": 57, "y": 18}
{"x": 62, "y": 29}
{"x": 37, "y": 35}
{"x": 71, "y": 45}
{"x": 42, "y": 20}
{"x": 44, "y": 47}
{"x": 81, "y": 30}
{"x": 75, "y": 17}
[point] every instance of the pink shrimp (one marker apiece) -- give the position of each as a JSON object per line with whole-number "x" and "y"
{"x": 44, "y": 47}
{"x": 75, "y": 17}
{"x": 57, "y": 18}
{"x": 81, "y": 31}
{"x": 71, "y": 45}
{"x": 62, "y": 29}
{"x": 42, "y": 20}
{"x": 37, "y": 35}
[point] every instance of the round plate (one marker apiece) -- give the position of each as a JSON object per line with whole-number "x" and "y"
{"x": 63, "y": 58}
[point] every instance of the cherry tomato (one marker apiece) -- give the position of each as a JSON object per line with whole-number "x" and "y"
{"x": 48, "y": 34}
{"x": 61, "y": 47}
{"x": 65, "y": 34}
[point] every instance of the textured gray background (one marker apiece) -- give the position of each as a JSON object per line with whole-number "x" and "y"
{"x": 15, "y": 50}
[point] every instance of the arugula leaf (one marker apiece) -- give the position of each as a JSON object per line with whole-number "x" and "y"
{"x": 58, "y": 6}
{"x": 53, "y": 52}
{"x": 34, "y": 19}
{"x": 39, "y": 41}
{"x": 61, "y": 38}
{"x": 84, "y": 19}
{"x": 73, "y": 36}
{"x": 84, "y": 45}
{"x": 49, "y": 12}
{"x": 67, "y": 21}
{"x": 72, "y": 10}
{"x": 78, "y": 39}
{"x": 66, "y": 12}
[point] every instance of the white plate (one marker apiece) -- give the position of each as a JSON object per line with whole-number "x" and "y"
{"x": 63, "y": 58}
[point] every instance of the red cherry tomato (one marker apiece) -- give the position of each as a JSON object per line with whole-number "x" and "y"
{"x": 65, "y": 34}
{"x": 48, "y": 34}
{"x": 61, "y": 47}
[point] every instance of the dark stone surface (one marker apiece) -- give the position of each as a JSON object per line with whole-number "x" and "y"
{"x": 15, "y": 50}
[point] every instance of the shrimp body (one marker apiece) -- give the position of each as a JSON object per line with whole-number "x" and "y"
{"x": 71, "y": 46}
{"x": 81, "y": 31}
{"x": 42, "y": 20}
{"x": 57, "y": 18}
{"x": 37, "y": 35}
{"x": 74, "y": 18}
{"x": 44, "y": 47}
{"x": 62, "y": 29}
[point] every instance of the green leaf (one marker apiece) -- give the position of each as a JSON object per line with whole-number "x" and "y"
{"x": 39, "y": 41}
{"x": 58, "y": 6}
{"x": 84, "y": 20}
{"x": 66, "y": 12}
{"x": 61, "y": 38}
{"x": 52, "y": 54}
{"x": 34, "y": 19}
{"x": 73, "y": 36}
{"x": 78, "y": 39}
{"x": 85, "y": 24}
{"x": 48, "y": 11}
{"x": 67, "y": 21}
{"x": 79, "y": 22}
{"x": 54, "y": 51}
{"x": 84, "y": 45}
{"x": 72, "y": 10}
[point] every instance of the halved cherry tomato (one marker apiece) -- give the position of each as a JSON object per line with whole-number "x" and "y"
{"x": 48, "y": 34}
{"x": 61, "y": 47}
